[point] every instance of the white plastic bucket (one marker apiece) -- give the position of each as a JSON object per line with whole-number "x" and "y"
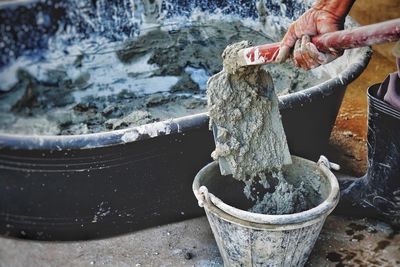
{"x": 252, "y": 239}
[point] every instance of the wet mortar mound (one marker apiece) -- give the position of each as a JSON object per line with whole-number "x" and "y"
{"x": 301, "y": 190}
{"x": 103, "y": 86}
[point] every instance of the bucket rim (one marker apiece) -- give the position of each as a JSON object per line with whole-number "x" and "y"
{"x": 207, "y": 200}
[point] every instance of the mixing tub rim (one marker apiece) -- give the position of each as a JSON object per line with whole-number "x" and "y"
{"x": 207, "y": 199}
{"x": 176, "y": 125}
{"x": 171, "y": 126}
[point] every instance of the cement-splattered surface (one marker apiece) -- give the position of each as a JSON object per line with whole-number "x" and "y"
{"x": 157, "y": 76}
{"x": 343, "y": 242}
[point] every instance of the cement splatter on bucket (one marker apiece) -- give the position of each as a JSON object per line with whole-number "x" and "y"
{"x": 252, "y": 239}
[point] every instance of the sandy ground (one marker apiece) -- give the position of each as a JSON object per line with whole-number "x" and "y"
{"x": 343, "y": 242}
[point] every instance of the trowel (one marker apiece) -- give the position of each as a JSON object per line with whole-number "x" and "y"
{"x": 384, "y": 32}
{"x": 388, "y": 31}
{"x": 260, "y": 135}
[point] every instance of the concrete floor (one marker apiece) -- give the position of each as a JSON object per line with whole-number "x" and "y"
{"x": 343, "y": 242}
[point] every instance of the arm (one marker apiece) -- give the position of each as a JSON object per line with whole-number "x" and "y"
{"x": 325, "y": 16}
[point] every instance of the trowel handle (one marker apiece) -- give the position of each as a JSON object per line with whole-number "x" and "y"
{"x": 388, "y": 31}
{"x": 384, "y": 32}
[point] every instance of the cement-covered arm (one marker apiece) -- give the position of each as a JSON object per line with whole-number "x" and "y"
{"x": 324, "y": 16}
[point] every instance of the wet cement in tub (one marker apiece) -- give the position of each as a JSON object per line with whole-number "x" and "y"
{"x": 158, "y": 75}
{"x": 249, "y": 136}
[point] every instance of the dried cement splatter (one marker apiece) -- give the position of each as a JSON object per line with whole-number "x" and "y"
{"x": 249, "y": 136}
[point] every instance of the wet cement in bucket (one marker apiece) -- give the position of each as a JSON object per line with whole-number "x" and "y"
{"x": 298, "y": 187}
{"x": 158, "y": 75}
{"x": 250, "y": 139}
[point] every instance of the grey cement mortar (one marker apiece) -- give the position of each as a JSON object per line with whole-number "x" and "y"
{"x": 250, "y": 140}
{"x": 243, "y": 108}
{"x": 285, "y": 199}
{"x": 46, "y": 106}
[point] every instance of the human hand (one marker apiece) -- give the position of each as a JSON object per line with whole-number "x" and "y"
{"x": 325, "y": 16}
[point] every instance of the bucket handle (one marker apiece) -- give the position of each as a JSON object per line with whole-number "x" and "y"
{"x": 202, "y": 196}
{"x": 325, "y": 162}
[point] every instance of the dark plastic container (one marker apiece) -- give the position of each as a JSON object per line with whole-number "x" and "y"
{"x": 100, "y": 185}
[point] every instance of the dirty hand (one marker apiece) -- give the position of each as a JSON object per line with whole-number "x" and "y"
{"x": 325, "y": 16}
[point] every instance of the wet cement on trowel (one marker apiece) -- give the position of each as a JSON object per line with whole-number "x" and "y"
{"x": 249, "y": 136}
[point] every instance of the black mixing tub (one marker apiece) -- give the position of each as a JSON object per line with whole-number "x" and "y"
{"x": 99, "y": 185}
